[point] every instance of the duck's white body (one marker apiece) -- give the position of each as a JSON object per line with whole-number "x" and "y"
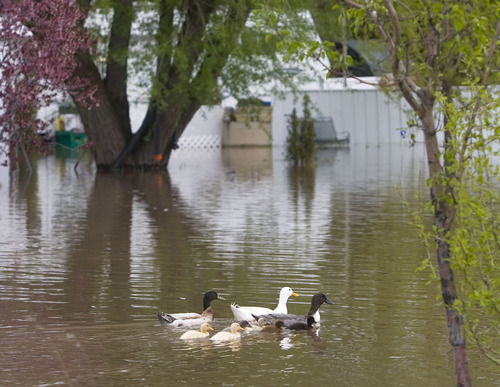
{"x": 201, "y": 334}
{"x": 228, "y": 336}
{"x": 188, "y": 320}
{"x": 191, "y": 319}
{"x": 246, "y": 312}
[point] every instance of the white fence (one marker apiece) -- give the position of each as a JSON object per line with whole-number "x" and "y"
{"x": 203, "y": 131}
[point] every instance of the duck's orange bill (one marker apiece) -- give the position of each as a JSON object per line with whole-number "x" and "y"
{"x": 295, "y": 294}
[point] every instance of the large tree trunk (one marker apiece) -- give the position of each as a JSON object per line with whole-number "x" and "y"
{"x": 116, "y": 73}
{"x": 100, "y": 120}
{"x": 107, "y": 121}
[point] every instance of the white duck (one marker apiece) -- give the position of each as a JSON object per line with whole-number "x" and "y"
{"x": 192, "y": 319}
{"x": 201, "y": 334}
{"x": 228, "y": 336}
{"x": 247, "y": 312}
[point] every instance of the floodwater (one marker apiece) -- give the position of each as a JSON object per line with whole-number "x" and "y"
{"x": 88, "y": 259}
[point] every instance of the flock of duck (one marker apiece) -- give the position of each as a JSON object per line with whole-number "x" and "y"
{"x": 250, "y": 319}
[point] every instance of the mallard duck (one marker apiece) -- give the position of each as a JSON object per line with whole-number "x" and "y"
{"x": 201, "y": 334}
{"x": 277, "y": 327}
{"x": 192, "y": 319}
{"x": 290, "y": 319}
{"x": 245, "y": 312}
{"x": 300, "y": 326}
{"x": 227, "y": 336}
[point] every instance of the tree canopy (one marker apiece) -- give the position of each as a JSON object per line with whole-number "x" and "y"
{"x": 182, "y": 54}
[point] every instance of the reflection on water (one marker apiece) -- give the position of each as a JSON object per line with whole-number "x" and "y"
{"x": 88, "y": 259}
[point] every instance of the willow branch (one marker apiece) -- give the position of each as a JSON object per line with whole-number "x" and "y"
{"x": 484, "y": 81}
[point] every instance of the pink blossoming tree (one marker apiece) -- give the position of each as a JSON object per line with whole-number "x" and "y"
{"x": 38, "y": 45}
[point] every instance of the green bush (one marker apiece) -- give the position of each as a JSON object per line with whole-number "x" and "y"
{"x": 300, "y": 143}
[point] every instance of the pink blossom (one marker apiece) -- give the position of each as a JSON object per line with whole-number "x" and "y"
{"x": 39, "y": 40}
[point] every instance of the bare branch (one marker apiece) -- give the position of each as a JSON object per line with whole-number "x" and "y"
{"x": 407, "y": 86}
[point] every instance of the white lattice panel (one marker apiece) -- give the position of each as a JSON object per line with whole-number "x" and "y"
{"x": 199, "y": 141}
{"x": 204, "y": 130}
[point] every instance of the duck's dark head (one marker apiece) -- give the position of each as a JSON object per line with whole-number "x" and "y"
{"x": 279, "y": 324}
{"x": 318, "y": 300}
{"x": 209, "y": 297}
{"x": 310, "y": 321}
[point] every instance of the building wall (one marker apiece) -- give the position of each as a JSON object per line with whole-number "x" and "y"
{"x": 371, "y": 117}
{"x": 368, "y": 114}
{"x": 248, "y": 127}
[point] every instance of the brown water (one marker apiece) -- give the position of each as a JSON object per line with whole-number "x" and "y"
{"x": 87, "y": 260}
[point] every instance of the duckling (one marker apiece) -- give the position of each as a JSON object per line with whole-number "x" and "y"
{"x": 227, "y": 336}
{"x": 290, "y": 319}
{"x": 260, "y": 324}
{"x": 276, "y": 328}
{"x": 201, "y": 334}
{"x": 192, "y": 319}
{"x": 250, "y": 328}
{"x": 300, "y": 326}
{"x": 244, "y": 324}
{"x": 245, "y": 312}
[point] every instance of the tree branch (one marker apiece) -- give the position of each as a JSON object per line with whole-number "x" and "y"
{"x": 407, "y": 86}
